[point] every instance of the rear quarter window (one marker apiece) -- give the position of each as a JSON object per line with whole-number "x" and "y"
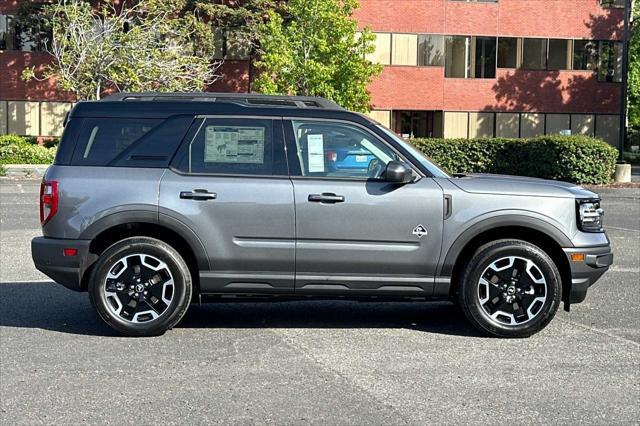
{"x": 102, "y": 140}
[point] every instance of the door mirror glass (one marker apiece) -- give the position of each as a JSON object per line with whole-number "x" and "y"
{"x": 398, "y": 172}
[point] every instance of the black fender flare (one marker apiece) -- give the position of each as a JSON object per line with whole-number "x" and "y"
{"x": 151, "y": 217}
{"x": 532, "y": 223}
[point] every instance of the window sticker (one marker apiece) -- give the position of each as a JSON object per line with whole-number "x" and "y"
{"x": 234, "y": 145}
{"x": 315, "y": 153}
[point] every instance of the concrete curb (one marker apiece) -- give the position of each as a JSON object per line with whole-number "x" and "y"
{"x": 25, "y": 170}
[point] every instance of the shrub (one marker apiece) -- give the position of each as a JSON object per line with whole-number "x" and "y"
{"x": 26, "y": 154}
{"x": 577, "y": 159}
{"x": 6, "y": 140}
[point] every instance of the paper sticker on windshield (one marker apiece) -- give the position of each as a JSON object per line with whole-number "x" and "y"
{"x": 315, "y": 153}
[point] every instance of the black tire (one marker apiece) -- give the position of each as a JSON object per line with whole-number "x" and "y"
{"x": 469, "y": 290}
{"x": 180, "y": 290}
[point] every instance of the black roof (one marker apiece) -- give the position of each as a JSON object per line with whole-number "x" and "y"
{"x": 248, "y": 99}
{"x": 162, "y": 105}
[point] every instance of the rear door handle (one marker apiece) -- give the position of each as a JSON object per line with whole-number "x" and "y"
{"x": 198, "y": 194}
{"x": 326, "y": 197}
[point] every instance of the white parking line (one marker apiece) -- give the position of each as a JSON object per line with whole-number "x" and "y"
{"x": 621, "y": 229}
{"x": 26, "y": 282}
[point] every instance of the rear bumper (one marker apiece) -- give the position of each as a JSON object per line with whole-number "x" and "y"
{"x": 48, "y": 257}
{"x": 585, "y": 273}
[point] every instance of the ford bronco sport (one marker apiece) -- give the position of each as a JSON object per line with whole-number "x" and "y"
{"x": 156, "y": 200}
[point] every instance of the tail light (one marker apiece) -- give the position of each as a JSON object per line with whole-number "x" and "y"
{"x": 48, "y": 200}
{"x": 332, "y": 156}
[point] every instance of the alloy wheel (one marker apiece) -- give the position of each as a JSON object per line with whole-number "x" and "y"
{"x": 139, "y": 288}
{"x": 512, "y": 290}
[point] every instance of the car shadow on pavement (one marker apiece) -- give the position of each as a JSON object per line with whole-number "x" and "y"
{"x": 49, "y": 306}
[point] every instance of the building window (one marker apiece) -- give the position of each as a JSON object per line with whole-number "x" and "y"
{"x": 610, "y": 61}
{"x": 404, "y": 49}
{"x": 457, "y": 57}
{"x": 585, "y": 55}
{"x": 7, "y": 33}
{"x": 485, "y": 57}
{"x": 612, "y": 3}
{"x": 477, "y": 1}
{"x": 470, "y": 57}
{"x": 534, "y": 53}
{"x": 382, "y": 53}
{"x": 558, "y": 54}
{"x": 430, "y": 50}
{"x": 507, "y": 52}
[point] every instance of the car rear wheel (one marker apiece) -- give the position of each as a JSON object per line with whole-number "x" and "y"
{"x": 140, "y": 286}
{"x": 510, "y": 288}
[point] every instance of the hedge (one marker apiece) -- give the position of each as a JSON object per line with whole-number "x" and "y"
{"x": 578, "y": 159}
{"x": 17, "y": 150}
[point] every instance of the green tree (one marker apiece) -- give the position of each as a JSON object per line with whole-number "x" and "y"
{"x": 313, "y": 48}
{"x": 634, "y": 70}
{"x": 149, "y": 45}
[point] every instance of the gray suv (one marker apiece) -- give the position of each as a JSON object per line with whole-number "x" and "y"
{"x": 155, "y": 201}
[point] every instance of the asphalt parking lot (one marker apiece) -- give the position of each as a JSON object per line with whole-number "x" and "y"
{"x": 314, "y": 362}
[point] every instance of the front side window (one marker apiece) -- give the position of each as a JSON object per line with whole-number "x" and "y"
{"x": 231, "y": 146}
{"x": 337, "y": 150}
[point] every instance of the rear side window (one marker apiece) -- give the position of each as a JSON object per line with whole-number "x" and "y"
{"x": 101, "y": 140}
{"x": 231, "y": 146}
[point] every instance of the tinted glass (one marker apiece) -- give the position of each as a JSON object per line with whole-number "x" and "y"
{"x": 339, "y": 150}
{"x": 585, "y": 55}
{"x": 534, "y": 53}
{"x": 457, "y": 61}
{"x": 101, "y": 140}
{"x": 485, "y": 66}
{"x": 558, "y": 49}
{"x": 507, "y": 52}
{"x": 430, "y": 50}
{"x": 231, "y": 146}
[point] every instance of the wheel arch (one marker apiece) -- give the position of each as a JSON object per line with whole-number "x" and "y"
{"x": 548, "y": 238}
{"x": 118, "y": 226}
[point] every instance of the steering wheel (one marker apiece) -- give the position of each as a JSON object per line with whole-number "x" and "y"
{"x": 375, "y": 169}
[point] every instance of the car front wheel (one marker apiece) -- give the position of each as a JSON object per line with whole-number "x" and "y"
{"x": 510, "y": 288}
{"x": 140, "y": 286}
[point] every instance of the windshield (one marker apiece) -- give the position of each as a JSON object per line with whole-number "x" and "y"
{"x": 416, "y": 154}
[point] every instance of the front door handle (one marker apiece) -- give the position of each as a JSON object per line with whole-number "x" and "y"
{"x": 326, "y": 197}
{"x": 198, "y": 194}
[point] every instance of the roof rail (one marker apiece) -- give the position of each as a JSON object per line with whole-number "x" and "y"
{"x": 247, "y": 99}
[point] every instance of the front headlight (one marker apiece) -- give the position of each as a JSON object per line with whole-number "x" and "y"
{"x": 589, "y": 215}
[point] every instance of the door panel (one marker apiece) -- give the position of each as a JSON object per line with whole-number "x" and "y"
{"x": 365, "y": 243}
{"x": 230, "y": 186}
{"x": 247, "y": 230}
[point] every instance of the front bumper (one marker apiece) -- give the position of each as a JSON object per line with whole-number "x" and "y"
{"x": 586, "y": 272}
{"x": 48, "y": 257}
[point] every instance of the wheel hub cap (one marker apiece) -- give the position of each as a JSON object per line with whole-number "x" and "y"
{"x": 512, "y": 290}
{"x": 139, "y": 288}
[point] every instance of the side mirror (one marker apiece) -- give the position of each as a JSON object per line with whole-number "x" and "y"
{"x": 398, "y": 172}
